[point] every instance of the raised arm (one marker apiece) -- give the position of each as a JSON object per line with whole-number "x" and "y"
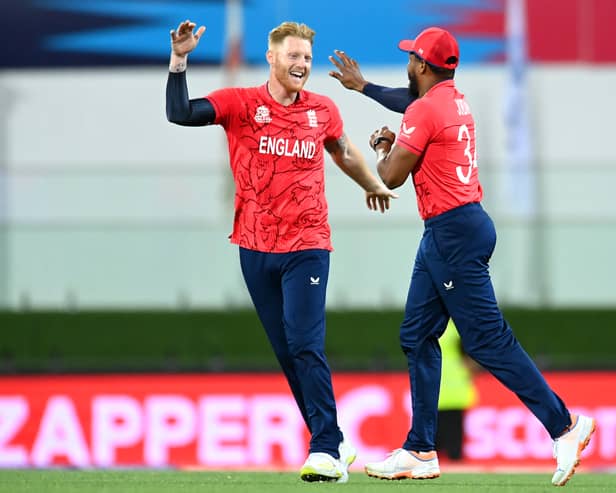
{"x": 180, "y": 109}
{"x": 393, "y": 98}
{"x": 350, "y": 76}
{"x": 350, "y": 160}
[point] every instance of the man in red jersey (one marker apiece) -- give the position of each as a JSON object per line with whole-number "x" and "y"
{"x": 277, "y": 134}
{"x": 436, "y": 146}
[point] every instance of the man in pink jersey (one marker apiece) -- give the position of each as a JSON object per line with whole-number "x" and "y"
{"x": 436, "y": 147}
{"x": 277, "y": 134}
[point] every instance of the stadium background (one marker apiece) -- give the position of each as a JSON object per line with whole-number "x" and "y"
{"x": 114, "y": 255}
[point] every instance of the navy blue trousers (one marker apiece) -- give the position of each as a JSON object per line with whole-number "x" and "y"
{"x": 451, "y": 279}
{"x": 288, "y": 292}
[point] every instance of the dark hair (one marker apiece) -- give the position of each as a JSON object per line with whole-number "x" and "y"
{"x": 441, "y": 72}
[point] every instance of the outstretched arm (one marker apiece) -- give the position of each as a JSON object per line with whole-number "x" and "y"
{"x": 349, "y": 159}
{"x": 393, "y": 98}
{"x": 350, "y": 76}
{"x": 180, "y": 109}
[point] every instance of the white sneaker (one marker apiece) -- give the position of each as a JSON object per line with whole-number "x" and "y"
{"x": 569, "y": 446}
{"x": 320, "y": 466}
{"x": 348, "y": 453}
{"x": 402, "y": 464}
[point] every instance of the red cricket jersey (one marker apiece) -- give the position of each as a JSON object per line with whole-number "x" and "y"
{"x": 440, "y": 128}
{"x": 277, "y": 160}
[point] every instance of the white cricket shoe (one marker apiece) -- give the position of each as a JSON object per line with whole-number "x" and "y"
{"x": 348, "y": 453}
{"x": 320, "y": 466}
{"x": 569, "y": 446}
{"x": 402, "y": 464}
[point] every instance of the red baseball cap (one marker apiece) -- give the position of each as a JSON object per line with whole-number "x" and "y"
{"x": 434, "y": 45}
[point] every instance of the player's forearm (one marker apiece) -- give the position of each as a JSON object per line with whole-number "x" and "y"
{"x": 353, "y": 164}
{"x": 394, "y": 98}
{"x": 391, "y": 175}
{"x": 382, "y": 168}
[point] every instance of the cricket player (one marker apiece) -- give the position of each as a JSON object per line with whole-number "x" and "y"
{"x": 436, "y": 147}
{"x": 277, "y": 134}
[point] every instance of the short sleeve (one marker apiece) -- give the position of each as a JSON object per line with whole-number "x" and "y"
{"x": 224, "y": 102}
{"x": 417, "y": 127}
{"x": 335, "y": 128}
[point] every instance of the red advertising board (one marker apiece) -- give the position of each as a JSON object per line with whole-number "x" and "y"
{"x": 250, "y": 421}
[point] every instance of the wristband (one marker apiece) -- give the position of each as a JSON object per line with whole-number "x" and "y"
{"x": 380, "y": 139}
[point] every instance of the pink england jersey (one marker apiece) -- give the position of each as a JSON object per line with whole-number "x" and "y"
{"x": 440, "y": 128}
{"x": 276, "y": 155}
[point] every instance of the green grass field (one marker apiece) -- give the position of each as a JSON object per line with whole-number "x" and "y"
{"x": 142, "y": 481}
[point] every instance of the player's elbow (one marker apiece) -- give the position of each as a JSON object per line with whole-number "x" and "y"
{"x": 172, "y": 115}
{"x": 176, "y": 118}
{"x": 391, "y": 180}
{"x": 392, "y": 183}
{"x": 177, "y": 113}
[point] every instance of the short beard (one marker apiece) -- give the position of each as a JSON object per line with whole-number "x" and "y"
{"x": 413, "y": 89}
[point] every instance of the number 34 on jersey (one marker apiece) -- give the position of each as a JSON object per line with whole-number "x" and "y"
{"x": 464, "y": 172}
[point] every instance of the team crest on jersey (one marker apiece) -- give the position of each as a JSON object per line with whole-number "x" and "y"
{"x": 312, "y": 118}
{"x": 263, "y": 115}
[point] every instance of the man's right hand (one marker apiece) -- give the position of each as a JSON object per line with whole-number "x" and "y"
{"x": 185, "y": 40}
{"x": 349, "y": 74}
{"x": 379, "y": 198}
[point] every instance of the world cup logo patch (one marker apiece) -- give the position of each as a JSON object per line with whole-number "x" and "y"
{"x": 263, "y": 115}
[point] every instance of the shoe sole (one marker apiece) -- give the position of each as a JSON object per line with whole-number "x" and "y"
{"x": 403, "y": 475}
{"x": 314, "y": 477}
{"x": 310, "y": 475}
{"x": 581, "y": 448}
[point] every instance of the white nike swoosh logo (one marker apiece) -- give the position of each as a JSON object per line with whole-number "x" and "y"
{"x": 407, "y": 131}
